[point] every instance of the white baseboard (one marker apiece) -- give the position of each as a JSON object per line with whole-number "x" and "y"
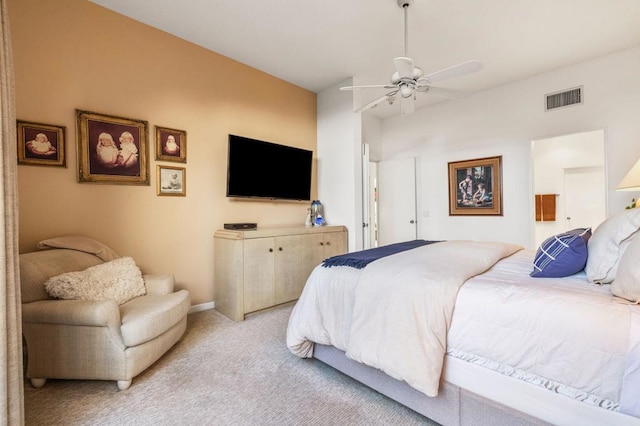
{"x": 202, "y": 307}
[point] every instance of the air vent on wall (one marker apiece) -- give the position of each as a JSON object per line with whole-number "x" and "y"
{"x": 563, "y": 99}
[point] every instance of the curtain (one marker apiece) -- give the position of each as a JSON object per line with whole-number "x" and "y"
{"x": 11, "y": 392}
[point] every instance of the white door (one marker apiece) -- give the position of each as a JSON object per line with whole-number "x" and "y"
{"x": 366, "y": 198}
{"x": 585, "y": 197}
{"x": 373, "y": 204}
{"x": 397, "y": 201}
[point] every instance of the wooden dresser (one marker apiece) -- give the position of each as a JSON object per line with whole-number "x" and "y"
{"x": 261, "y": 268}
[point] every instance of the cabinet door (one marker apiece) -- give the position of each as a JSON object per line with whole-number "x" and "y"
{"x": 259, "y": 267}
{"x": 335, "y": 243}
{"x": 295, "y": 259}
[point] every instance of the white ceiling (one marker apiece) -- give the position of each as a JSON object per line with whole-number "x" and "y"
{"x": 316, "y": 44}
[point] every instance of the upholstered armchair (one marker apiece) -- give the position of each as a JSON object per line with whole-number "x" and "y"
{"x": 115, "y": 338}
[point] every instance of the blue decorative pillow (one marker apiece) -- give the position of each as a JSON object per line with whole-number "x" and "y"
{"x": 562, "y": 255}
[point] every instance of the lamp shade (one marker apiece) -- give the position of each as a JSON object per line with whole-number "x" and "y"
{"x": 631, "y": 181}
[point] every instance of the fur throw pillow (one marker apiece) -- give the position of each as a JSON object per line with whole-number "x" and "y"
{"x": 119, "y": 280}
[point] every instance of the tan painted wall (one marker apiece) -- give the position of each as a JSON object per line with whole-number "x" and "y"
{"x": 72, "y": 55}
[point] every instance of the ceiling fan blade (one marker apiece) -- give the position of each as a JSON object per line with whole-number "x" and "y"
{"x": 371, "y": 104}
{"x": 455, "y": 71}
{"x": 407, "y": 106}
{"x": 404, "y": 67}
{"x": 443, "y": 92}
{"x": 370, "y": 86}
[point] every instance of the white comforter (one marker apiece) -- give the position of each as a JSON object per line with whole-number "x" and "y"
{"x": 396, "y": 315}
{"x": 566, "y": 335}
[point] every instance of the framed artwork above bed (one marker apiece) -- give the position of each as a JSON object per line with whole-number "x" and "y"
{"x": 475, "y": 187}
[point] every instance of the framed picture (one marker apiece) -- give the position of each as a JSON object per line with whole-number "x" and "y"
{"x": 171, "y": 144}
{"x": 112, "y": 149}
{"x": 172, "y": 181}
{"x": 41, "y": 144}
{"x": 475, "y": 187}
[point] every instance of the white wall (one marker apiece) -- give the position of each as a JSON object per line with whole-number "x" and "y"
{"x": 503, "y": 121}
{"x": 340, "y": 161}
{"x": 372, "y": 135}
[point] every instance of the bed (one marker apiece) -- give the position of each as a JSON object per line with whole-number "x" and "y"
{"x": 461, "y": 332}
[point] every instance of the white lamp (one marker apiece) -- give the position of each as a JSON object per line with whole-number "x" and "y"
{"x": 631, "y": 181}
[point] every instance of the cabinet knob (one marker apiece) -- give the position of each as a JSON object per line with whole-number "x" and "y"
{"x": 270, "y": 250}
{"x": 279, "y": 248}
{"x": 321, "y": 243}
{"x": 328, "y": 243}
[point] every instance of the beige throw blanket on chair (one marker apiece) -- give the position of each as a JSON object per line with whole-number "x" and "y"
{"x": 80, "y": 243}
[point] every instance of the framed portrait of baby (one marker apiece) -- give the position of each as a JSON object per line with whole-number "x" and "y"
{"x": 112, "y": 149}
{"x": 41, "y": 144}
{"x": 171, "y": 181}
{"x": 171, "y": 144}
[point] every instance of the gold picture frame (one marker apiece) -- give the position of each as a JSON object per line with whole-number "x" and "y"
{"x": 171, "y": 144}
{"x": 171, "y": 181}
{"x": 475, "y": 187}
{"x": 41, "y": 144}
{"x": 112, "y": 149}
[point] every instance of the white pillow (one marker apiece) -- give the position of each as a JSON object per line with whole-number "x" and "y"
{"x": 608, "y": 243}
{"x": 627, "y": 282}
{"x": 119, "y": 280}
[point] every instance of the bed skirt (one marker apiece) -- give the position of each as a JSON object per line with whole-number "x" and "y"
{"x": 468, "y": 396}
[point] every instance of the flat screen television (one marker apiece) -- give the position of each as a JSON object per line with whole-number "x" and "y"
{"x": 260, "y": 169}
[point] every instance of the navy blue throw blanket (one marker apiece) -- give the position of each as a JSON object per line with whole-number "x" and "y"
{"x": 360, "y": 259}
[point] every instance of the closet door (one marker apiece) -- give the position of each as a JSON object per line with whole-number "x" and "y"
{"x": 397, "y": 201}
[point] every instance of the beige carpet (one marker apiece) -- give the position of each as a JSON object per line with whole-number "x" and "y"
{"x": 222, "y": 373}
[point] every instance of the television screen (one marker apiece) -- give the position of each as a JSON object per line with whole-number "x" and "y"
{"x": 259, "y": 169}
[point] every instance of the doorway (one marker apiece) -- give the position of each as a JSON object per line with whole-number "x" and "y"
{"x": 572, "y": 167}
{"x": 369, "y": 200}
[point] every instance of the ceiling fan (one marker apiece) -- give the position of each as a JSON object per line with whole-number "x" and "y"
{"x": 409, "y": 79}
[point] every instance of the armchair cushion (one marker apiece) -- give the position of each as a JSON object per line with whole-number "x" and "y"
{"x": 145, "y": 318}
{"x": 119, "y": 280}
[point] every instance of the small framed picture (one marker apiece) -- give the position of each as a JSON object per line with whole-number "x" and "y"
{"x": 41, "y": 144}
{"x": 171, "y": 144}
{"x": 475, "y": 187}
{"x": 112, "y": 149}
{"x": 172, "y": 181}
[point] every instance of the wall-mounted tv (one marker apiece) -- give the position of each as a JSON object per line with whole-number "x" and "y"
{"x": 260, "y": 169}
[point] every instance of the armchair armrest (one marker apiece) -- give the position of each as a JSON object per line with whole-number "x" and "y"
{"x": 159, "y": 284}
{"x": 72, "y": 312}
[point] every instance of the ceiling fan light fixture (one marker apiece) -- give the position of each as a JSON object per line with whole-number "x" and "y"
{"x": 406, "y": 91}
